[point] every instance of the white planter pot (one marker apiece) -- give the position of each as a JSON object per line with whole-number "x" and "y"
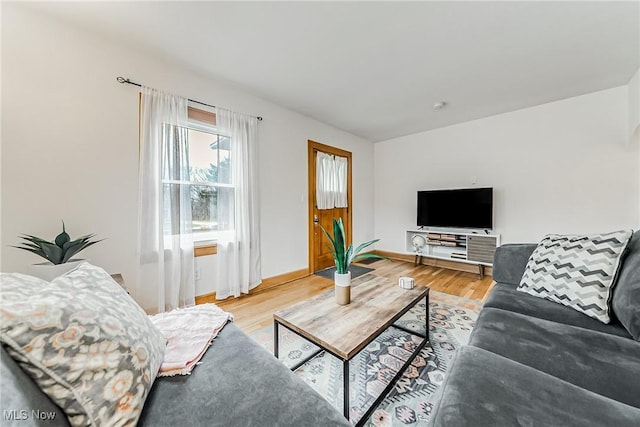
{"x": 48, "y": 271}
{"x": 342, "y": 287}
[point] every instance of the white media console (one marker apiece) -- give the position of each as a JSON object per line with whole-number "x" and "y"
{"x": 470, "y": 248}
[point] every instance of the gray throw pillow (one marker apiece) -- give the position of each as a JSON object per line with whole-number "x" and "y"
{"x": 626, "y": 294}
{"x": 578, "y": 271}
{"x": 84, "y": 342}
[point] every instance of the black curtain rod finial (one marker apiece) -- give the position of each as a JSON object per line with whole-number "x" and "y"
{"x": 127, "y": 81}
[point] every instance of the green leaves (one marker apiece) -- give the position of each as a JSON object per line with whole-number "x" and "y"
{"x": 59, "y": 251}
{"x": 53, "y": 252}
{"x": 62, "y": 238}
{"x": 334, "y": 247}
{"x": 360, "y": 248}
{"x": 342, "y": 255}
{"x": 73, "y": 247}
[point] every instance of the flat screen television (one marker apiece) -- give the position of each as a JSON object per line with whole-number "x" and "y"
{"x": 464, "y": 208}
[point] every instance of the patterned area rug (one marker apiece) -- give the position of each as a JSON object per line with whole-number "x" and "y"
{"x": 414, "y": 395}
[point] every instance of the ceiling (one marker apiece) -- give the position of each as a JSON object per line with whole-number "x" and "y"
{"x": 375, "y": 69}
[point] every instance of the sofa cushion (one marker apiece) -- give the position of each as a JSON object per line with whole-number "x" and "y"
{"x": 507, "y": 298}
{"x": 84, "y": 341}
{"x": 576, "y": 270}
{"x": 510, "y": 261}
{"x": 626, "y": 294}
{"x": 484, "y": 389}
{"x": 238, "y": 383}
{"x": 599, "y": 362}
{"x": 20, "y": 395}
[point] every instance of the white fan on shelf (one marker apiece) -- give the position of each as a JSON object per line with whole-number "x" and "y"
{"x": 418, "y": 241}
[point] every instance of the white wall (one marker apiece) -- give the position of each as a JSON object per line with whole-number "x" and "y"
{"x": 634, "y": 106}
{"x": 560, "y": 167}
{"x": 70, "y": 147}
{"x": 634, "y": 110}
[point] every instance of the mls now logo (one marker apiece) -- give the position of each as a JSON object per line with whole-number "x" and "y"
{"x": 15, "y": 415}
{"x": 21, "y": 415}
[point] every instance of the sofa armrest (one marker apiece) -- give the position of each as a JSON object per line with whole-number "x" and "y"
{"x": 510, "y": 261}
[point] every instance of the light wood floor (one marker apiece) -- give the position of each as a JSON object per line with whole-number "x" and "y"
{"x": 255, "y": 311}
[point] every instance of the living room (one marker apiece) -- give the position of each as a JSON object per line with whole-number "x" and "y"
{"x": 563, "y": 158}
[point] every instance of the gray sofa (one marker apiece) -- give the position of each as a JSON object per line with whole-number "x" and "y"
{"x": 237, "y": 384}
{"x": 533, "y": 362}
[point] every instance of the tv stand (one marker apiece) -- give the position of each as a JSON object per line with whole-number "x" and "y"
{"x": 464, "y": 247}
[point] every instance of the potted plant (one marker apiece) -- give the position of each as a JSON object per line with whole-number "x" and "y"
{"x": 57, "y": 253}
{"x": 343, "y": 258}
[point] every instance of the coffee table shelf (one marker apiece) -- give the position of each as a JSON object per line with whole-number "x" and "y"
{"x": 343, "y": 331}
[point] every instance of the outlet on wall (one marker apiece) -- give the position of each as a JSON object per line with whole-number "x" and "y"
{"x": 197, "y": 273}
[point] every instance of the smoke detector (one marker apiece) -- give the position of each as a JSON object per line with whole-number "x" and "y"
{"x": 439, "y": 105}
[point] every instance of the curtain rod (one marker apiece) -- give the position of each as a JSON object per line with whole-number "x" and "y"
{"x": 129, "y": 82}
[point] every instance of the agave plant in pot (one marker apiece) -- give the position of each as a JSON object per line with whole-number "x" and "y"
{"x": 343, "y": 258}
{"x": 58, "y": 253}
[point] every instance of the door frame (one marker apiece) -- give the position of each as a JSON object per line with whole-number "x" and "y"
{"x": 312, "y": 147}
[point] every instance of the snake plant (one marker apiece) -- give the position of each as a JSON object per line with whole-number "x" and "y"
{"x": 342, "y": 255}
{"x": 60, "y": 250}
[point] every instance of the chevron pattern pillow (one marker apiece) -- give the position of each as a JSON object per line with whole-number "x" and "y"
{"x": 576, "y": 271}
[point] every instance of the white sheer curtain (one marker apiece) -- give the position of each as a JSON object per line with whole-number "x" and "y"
{"x": 165, "y": 242}
{"x": 331, "y": 181}
{"x": 341, "y": 165}
{"x": 325, "y": 181}
{"x": 239, "y": 246}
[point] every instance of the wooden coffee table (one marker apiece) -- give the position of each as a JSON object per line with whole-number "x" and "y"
{"x": 343, "y": 331}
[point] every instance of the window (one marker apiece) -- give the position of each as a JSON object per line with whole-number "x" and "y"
{"x": 209, "y": 178}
